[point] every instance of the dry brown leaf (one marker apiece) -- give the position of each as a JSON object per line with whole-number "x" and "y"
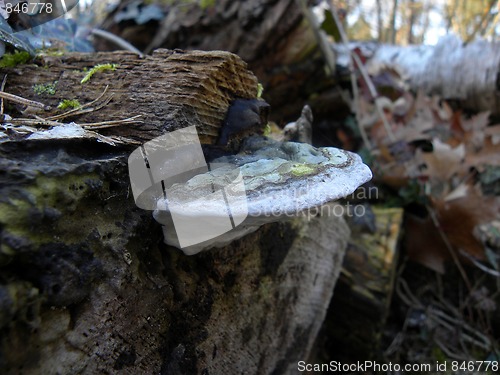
{"x": 424, "y": 244}
{"x": 442, "y": 111}
{"x": 457, "y": 220}
{"x": 459, "y": 192}
{"x": 417, "y": 126}
{"x": 474, "y": 131}
{"x": 459, "y": 217}
{"x": 488, "y": 155}
{"x": 477, "y": 122}
{"x": 456, "y": 132}
{"x": 444, "y": 161}
{"x": 494, "y": 133}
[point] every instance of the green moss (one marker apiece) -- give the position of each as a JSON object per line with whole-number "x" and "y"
{"x": 45, "y": 88}
{"x": 10, "y": 60}
{"x": 267, "y": 130}
{"x": 97, "y": 68}
{"x": 204, "y": 4}
{"x": 69, "y": 103}
{"x": 260, "y": 90}
{"x": 302, "y": 170}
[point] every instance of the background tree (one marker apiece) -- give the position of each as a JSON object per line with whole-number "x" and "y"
{"x": 405, "y": 22}
{"x": 469, "y": 18}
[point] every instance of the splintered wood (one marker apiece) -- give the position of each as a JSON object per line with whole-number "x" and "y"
{"x": 169, "y": 90}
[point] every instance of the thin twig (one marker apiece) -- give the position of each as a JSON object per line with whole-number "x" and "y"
{"x": 34, "y": 122}
{"x": 454, "y": 255}
{"x": 2, "y": 87}
{"x": 109, "y": 124}
{"x": 451, "y": 323}
{"x": 407, "y": 296}
{"x": 364, "y": 73}
{"x": 479, "y": 265}
{"x": 91, "y": 125}
{"x": 447, "y": 351}
{"x": 79, "y": 110}
{"x": 120, "y": 42}
{"x": 374, "y": 94}
{"x": 20, "y": 100}
{"x": 355, "y": 90}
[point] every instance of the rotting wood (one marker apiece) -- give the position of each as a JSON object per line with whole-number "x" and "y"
{"x": 170, "y": 89}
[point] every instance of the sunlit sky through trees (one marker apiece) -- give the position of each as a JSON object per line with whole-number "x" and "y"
{"x": 420, "y": 21}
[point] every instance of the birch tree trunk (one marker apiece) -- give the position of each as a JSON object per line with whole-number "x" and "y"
{"x": 468, "y": 73}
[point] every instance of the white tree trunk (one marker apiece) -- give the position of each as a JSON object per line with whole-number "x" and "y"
{"x": 451, "y": 69}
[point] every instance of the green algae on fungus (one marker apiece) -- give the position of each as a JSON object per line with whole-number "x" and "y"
{"x": 302, "y": 170}
{"x": 97, "y": 68}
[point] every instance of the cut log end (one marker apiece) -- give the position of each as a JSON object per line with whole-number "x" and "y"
{"x": 171, "y": 89}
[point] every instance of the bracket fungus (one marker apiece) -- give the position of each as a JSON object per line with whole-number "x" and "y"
{"x": 234, "y": 195}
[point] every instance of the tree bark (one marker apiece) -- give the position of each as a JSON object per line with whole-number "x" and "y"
{"x": 411, "y": 21}
{"x": 392, "y": 28}
{"x": 380, "y": 25}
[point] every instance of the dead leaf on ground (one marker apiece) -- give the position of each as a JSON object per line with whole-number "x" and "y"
{"x": 444, "y": 161}
{"x": 424, "y": 244}
{"x": 457, "y": 219}
{"x": 494, "y": 133}
{"x": 474, "y": 131}
{"x": 488, "y": 155}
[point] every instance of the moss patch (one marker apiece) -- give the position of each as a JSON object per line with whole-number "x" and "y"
{"x": 10, "y": 60}
{"x": 45, "y": 88}
{"x": 69, "y": 103}
{"x": 97, "y": 68}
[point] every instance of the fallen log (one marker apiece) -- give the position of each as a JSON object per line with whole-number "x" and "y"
{"x": 467, "y": 73}
{"x": 168, "y": 90}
